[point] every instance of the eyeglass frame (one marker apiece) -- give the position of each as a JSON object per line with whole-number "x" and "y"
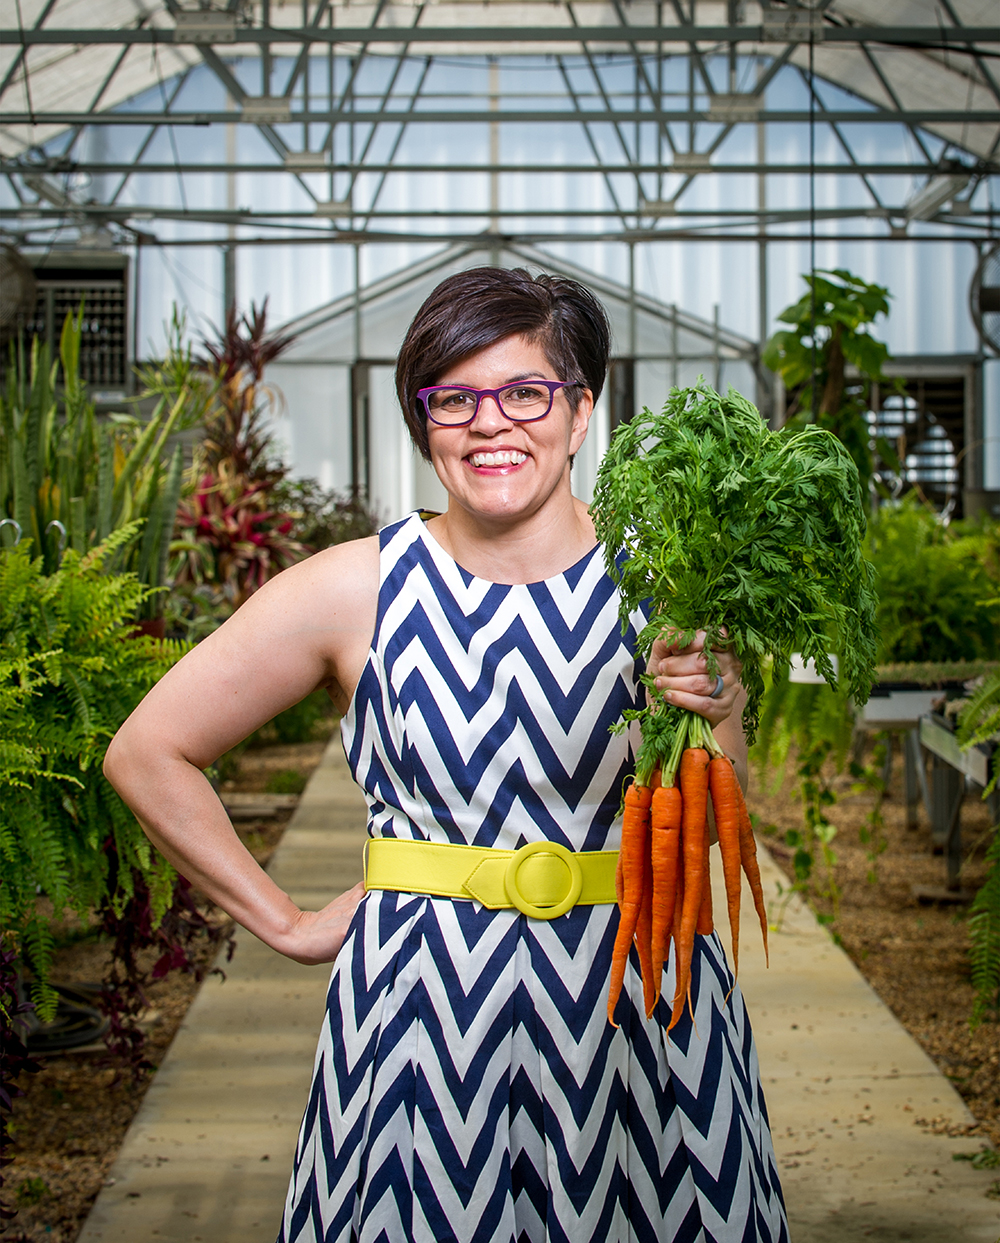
{"x": 480, "y": 393}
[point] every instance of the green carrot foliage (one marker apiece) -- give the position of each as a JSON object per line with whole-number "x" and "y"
{"x": 751, "y": 535}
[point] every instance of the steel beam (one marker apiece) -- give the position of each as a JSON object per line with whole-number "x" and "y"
{"x": 924, "y": 37}
{"x": 868, "y": 116}
{"x": 249, "y": 216}
{"x": 59, "y": 165}
{"x": 352, "y": 236}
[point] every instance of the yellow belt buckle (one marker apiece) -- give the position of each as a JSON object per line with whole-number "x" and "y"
{"x": 518, "y": 900}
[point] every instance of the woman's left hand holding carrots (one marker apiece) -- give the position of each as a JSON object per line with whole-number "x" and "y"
{"x": 682, "y": 677}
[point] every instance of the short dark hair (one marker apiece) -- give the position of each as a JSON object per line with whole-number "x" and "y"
{"x": 474, "y": 309}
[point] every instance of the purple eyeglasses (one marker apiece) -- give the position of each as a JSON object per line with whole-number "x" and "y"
{"x": 455, "y": 405}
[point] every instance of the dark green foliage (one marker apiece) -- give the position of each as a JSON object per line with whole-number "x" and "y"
{"x": 60, "y": 464}
{"x": 936, "y": 583}
{"x": 309, "y": 718}
{"x": 69, "y": 676}
{"x": 984, "y": 939}
{"x": 322, "y": 518}
{"x": 980, "y": 722}
{"x": 829, "y": 332}
{"x": 288, "y": 781}
{"x": 728, "y": 527}
{"x": 815, "y": 722}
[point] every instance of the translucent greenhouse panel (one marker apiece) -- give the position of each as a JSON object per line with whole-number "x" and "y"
{"x": 313, "y": 426}
{"x": 991, "y": 423}
{"x": 428, "y": 491}
{"x": 586, "y": 462}
{"x": 390, "y": 461}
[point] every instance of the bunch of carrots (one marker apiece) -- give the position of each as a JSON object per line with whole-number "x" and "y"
{"x": 663, "y": 883}
{"x": 710, "y": 521}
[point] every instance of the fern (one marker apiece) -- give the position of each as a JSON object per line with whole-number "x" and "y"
{"x": 39, "y": 946}
{"x": 984, "y": 939}
{"x": 69, "y": 676}
{"x": 979, "y": 722}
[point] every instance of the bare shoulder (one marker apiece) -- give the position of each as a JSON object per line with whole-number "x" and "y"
{"x": 335, "y": 582}
{"x": 338, "y": 574}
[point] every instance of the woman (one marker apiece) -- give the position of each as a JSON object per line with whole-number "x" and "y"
{"x": 467, "y": 1084}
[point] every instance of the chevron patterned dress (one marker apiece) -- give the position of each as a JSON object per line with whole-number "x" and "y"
{"x": 468, "y": 1087}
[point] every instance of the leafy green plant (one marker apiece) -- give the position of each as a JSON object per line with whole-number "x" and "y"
{"x": 67, "y": 477}
{"x": 287, "y": 781}
{"x": 980, "y": 722}
{"x": 815, "y": 722}
{"x": 32, "y": 1191}
{"x": 322, "y": 518}
{"x": 69, "y": 676}
{"x": 937, "y": 585}
{"x": 829, "y": 330}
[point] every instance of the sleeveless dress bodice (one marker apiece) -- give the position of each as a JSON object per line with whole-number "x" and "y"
{"x": 483, "y": 716}
{"x": 467, "y": 1085}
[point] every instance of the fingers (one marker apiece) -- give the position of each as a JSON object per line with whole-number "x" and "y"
{"x": 319, "y": 935}
{"x": 683, "y": 678}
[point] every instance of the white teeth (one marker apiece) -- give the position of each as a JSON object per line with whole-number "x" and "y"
{"x": 506, "y": 457}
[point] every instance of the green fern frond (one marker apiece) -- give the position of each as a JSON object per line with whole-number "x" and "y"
{"x": 39, "y": 949}
{"x": 979, "y": 722}
{"x": 984, "y": 939}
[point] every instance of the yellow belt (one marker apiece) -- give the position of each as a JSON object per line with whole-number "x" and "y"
{"x": 542, "y": 879}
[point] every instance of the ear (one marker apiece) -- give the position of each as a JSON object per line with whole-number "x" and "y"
{"x": 581, "y": 421}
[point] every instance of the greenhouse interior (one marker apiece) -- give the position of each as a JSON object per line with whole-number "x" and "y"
{"x": 220, "y": 225}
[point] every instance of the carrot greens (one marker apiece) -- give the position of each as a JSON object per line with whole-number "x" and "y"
{"x": 751, "y": 535}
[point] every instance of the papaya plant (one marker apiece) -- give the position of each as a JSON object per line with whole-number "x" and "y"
{"x": 828, "y": 331}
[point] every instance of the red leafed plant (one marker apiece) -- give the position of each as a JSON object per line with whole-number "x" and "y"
{"x": 229, "y": 532}
{"x": 227, "y": 536}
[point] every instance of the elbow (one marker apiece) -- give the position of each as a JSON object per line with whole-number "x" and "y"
{"x": 112, "y": 761}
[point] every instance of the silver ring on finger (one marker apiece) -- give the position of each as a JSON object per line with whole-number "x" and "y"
{"x": 719, "y": 684}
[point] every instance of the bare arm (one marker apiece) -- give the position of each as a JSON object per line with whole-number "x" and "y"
{"x": 310, "y": 627}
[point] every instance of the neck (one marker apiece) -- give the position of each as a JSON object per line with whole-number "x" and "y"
{"x": 525, "y": 551}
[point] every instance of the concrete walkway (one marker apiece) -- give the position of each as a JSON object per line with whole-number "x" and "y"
{"x": 208, "y": 1156}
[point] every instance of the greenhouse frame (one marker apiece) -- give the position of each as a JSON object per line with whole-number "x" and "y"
{"x": 693, "y": 159}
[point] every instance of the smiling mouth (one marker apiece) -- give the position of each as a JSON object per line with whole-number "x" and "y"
{"x": 505, "y": 457}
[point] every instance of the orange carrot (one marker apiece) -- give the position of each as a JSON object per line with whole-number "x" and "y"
{"x": 644, "y": 931}
{"x": 748, "y": 857}
{"x": 694, "y": 795}
{"x": 705, "y": 926}
{"x": 665, "y": 838}
{"x": 725, "y": 788}
{"x": 635, "y": 830}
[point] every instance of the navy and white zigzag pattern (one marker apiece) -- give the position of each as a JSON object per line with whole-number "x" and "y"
{"x": 467, "y": 1084}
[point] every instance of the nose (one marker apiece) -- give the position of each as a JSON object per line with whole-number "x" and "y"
{"x": 490, "y": 413}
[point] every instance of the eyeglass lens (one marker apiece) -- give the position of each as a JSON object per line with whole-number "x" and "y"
{"x": 519, "y": 402}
